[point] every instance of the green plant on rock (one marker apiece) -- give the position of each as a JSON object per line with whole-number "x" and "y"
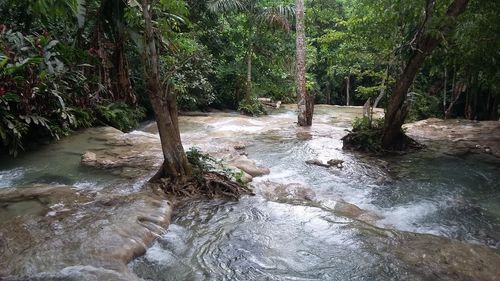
{"x": 203, "y": 163}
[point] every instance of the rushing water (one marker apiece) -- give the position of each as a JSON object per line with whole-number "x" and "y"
{"x": 257, "y": 239}
{"x": 261, "y": 238}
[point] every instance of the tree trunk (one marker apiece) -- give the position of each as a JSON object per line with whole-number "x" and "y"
{"x": 175, "y": 165}
{"x": 457, "y": 91}
{"x": 328, "y": 94}
{"x": 392, "y": 134}
{"x": 248, "y": 84}
{"x": 445, "y": 88}
{"x": 305, "y": 103}
{"x": 382, "y": 89}
{"x": 348, "y": 88}
{"x": 122, "y": 85}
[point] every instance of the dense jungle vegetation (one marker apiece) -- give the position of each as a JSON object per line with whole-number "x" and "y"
{"x": 66, "y": 65}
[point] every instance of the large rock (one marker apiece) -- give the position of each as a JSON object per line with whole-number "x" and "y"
{"x": 249, "y": 166}
{"x": 286, "y": 193}
{"x": 54, "y": 232}
{"x": 128, "y": 155}
{"x": 460, "y": 136}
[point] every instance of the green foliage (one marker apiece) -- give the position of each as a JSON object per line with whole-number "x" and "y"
{"x": 252, "y": 108}
{"x": 120, "y": 115}
{"x": 202, "y": 163}
{"x": 365, "y": 135}
{"x": 424, "y": 106}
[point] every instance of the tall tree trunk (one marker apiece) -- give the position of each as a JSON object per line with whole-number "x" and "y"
{"x": 392, "y": 134}
{"x": 445, "y": 88}
{"x": 457, "y": 92}
{"x": 328, "y": 92}
{"x": 122, "y": 85}
{"x": 305, "y": 102}
{"x": 348, "y": 88}
{"x": 248, "y": 84}
{"x": 175, "y": 165}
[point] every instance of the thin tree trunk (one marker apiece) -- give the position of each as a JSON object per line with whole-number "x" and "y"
{"x": 445, "y": 88}
{"x": 175, "y": 165}
{"x": 457, "y": 92}
{"x": 348, "y": 89}
{"x": 123, "y": 87}
{"x": 248, "y": 84}
{"x": 392, "y": 134}
{"x": 305, "y": 103}
{"x": 328, "y": 94}
{"x": 382, "y": 89}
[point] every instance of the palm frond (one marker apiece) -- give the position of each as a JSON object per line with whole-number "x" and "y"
{"x": 278, "y": 16}
{"x": 217, "y": 6}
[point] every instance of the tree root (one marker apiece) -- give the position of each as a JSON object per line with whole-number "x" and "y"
{"x": 208, "y": 184}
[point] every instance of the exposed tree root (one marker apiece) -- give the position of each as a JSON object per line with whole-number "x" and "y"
{"x": 208, "y": 184}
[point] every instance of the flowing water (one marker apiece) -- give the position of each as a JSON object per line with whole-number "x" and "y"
{"x": 263, "y": 238}
{"x": 258, "y": 239}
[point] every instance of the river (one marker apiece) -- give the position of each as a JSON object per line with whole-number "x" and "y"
{"x": 416, "y": 216}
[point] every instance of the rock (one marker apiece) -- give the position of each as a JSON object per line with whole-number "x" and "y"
{"x": 286, "y": 192}
{"x": 336, "y": 163}
{"x": 128, "y": 155}
{"x": 250, "y": 167}
{"x": 240, "y": 146}
{"x": 53, "y": 228}
{"x": 317, "y": 162}
{"x": 246, "y": 178}
{"x": 89, "y": 158}
{"x": 330, "y": 163}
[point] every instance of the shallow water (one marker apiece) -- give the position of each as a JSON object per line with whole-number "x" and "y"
{"x": 256, "y": 239}
{"x": 56, "y": 163}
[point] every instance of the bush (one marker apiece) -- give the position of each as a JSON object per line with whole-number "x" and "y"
{"x": 365, "y": 135}
{"x": 252, "y": 107}
{"x": 120, "y": 115}
{"x": 424, "y": 106}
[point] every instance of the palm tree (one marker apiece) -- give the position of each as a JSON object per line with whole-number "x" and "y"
{"x": 257, "y": 16}
{"x": 305, "y": 103}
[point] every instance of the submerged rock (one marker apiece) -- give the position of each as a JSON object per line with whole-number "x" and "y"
{"x": 249, "y": 166}
{"x": 291, "y": 192}
{"x": 459, "y": 134}
{"x": 439, "y": 258}
{"x": 331, "y": 163}
{"x": 57, "y": 231}
{"x": 129, "y": 155}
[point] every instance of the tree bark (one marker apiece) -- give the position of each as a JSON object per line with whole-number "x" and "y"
{"x": 348, "y": 88}
{"x": 457, "y": 92}
{"x": 248, "y": 83}
{"x": 392, "y": 134}
{"x": 175, "y": 165}
{"x": 382, "y": 89}
{"x": 305, "y": 103}
{"x": 445, "y": 88}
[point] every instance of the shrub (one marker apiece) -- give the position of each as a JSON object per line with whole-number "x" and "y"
{"x": 120, "y": 115}
{"x": 365, "y": 135}
{"x": 252, "y": 107}
{"x": 424, "y": 106}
